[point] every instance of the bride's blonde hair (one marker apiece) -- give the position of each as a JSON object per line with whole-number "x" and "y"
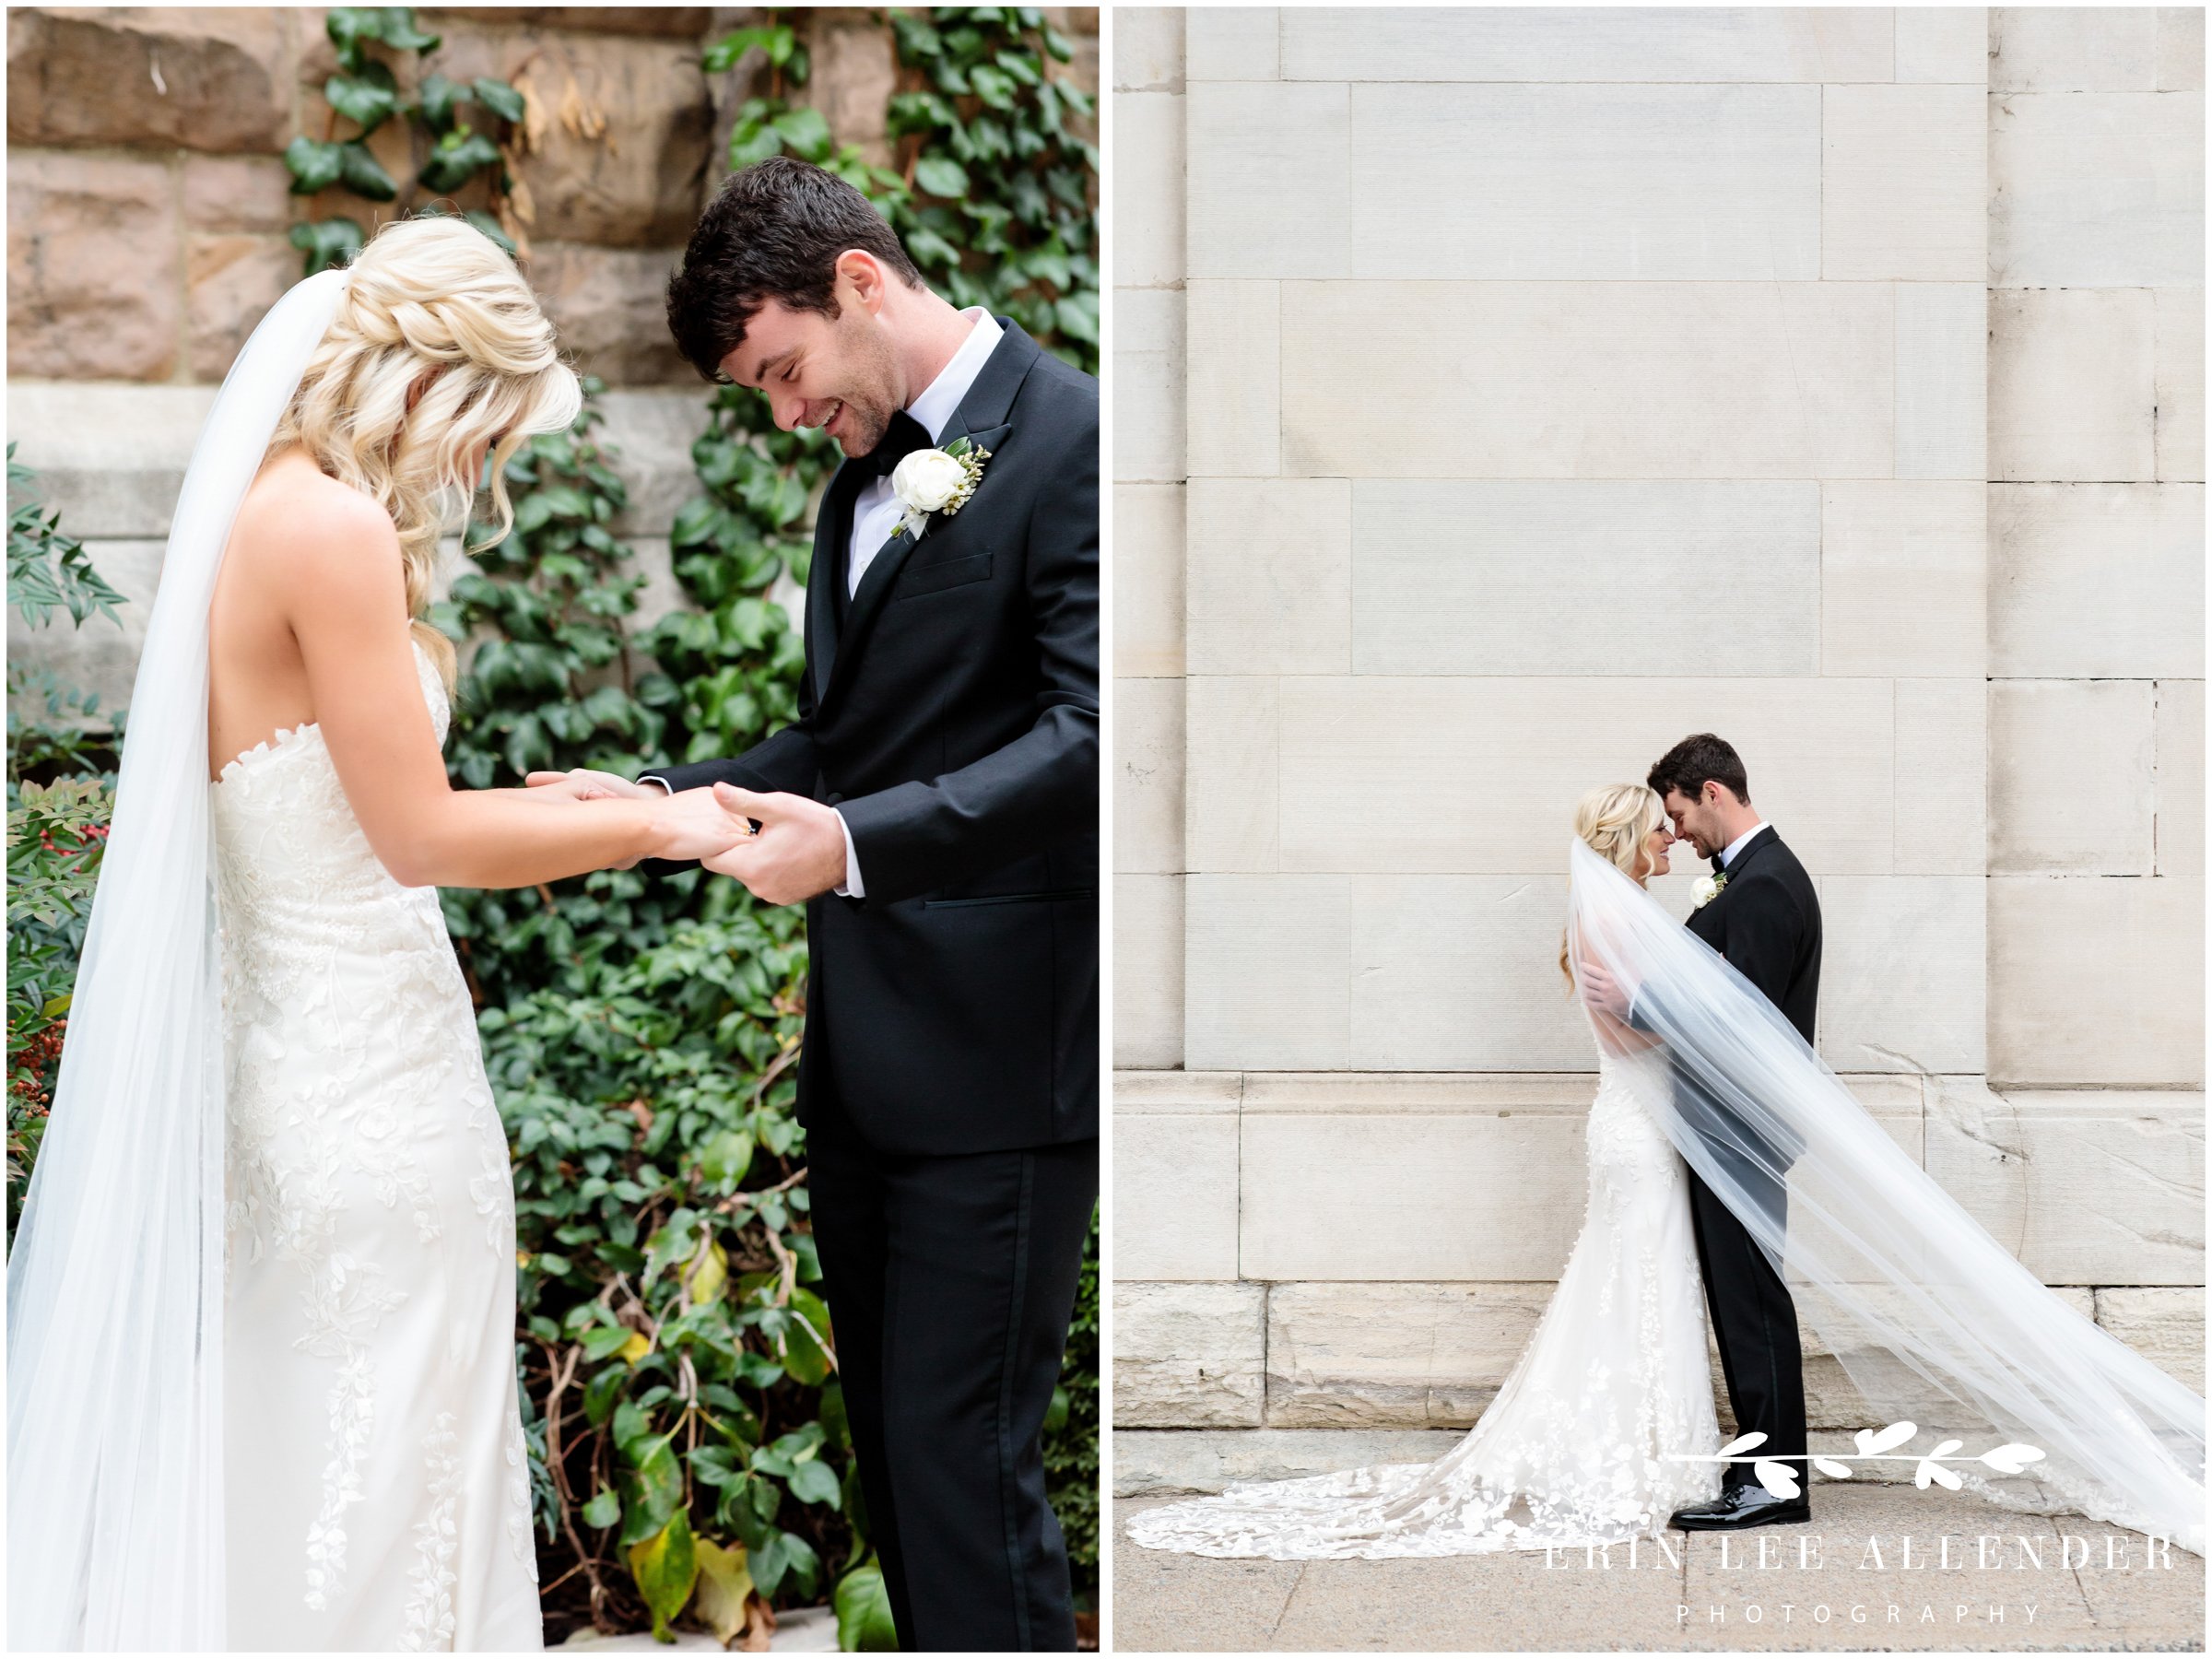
{"x": 434, "y": 309}
{"x": 1613, "y": 822}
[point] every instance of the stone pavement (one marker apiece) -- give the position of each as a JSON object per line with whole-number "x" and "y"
{"x": 1844, "y": 1584}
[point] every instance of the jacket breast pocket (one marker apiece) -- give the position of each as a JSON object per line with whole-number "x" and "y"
{"x": 935, "y": 578}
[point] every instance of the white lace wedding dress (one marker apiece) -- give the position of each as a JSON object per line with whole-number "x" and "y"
{"x": 1574, "y": 1449}
{"x": 377, "y": 1493}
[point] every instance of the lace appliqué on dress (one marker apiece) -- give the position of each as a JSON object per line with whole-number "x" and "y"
{"x": 1575, "y": 1450}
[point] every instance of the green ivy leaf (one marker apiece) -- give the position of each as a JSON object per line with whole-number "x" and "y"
{"x": 400, "y": 33}
{"x": 806, "y": 131}
{"x": 436, "y": 98}
{"x": 604, "y": 1509}
{"x": 313, "y": 165}
{"x": 364, "y": 175}
{"x": 326, "y": 243}
{"x": 941, "y": 176}
{"x": 665, "y": 1567}
{"x": 864, "y": 1611}
{"x": 497, "y": 97}
{"x": 367, "y": 97}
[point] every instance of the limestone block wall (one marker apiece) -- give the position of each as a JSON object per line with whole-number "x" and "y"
{"x": 1554, "y": 384}
{"x": 2096, "y": 546}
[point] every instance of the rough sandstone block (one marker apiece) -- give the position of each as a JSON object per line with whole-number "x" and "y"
{"x": 239, "y": 193}
{"x": 231, "y": 282}
{"x": 1188, "y": 1356}
{"x": 2164, "y": 1324}
{"x": 78, "y": 306}
{"x": 617, "y": 151}
{"x": 213, "y": 78}
{"x": 673, "y": 22}
{"x": 1393, "y": 1356}
{"x": 609, "y": 306}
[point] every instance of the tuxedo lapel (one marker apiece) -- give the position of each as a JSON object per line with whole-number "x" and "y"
{"x": 981, "y": 417}
{"x": 826, "y": 577}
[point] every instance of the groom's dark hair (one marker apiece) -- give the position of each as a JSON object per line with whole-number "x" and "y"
{"x": 773, "y": 231}
{"x": 1696, "y": 760}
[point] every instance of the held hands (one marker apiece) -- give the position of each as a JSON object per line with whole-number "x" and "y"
{"x": 799, "y": 852}
{"x": 686, "y": 826}
{"x": 799, "y": 849}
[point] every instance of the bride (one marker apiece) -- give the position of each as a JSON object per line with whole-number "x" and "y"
{"x": 1606, "y": 1425}
{"x": 261, "y": 1383}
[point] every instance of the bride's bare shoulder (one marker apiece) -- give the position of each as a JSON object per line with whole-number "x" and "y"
{"x": 298, "y": 522}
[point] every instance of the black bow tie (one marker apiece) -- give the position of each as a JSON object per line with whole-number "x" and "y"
{"x": 1720, "y": 865}
{"x": 900, "y": 438}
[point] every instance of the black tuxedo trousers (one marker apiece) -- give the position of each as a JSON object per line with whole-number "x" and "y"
{"x": 949, "y": 1080}
{"x": 1766, "y": 922}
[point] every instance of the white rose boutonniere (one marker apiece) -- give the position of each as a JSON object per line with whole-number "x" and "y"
{"x": 1705, "y": 889}
{"x": 936, "y": 480}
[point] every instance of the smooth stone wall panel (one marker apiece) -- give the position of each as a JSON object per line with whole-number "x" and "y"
{"x": 1494, "y": 577}
{"x": 2097, "y": 580}
{"x": 1596, "y": 44}
{"x": 1530, "y": 182}
{"x": 2072, "y": 786}
{"x": 1699, "y": 380}
{"x": 2097, "y": 190}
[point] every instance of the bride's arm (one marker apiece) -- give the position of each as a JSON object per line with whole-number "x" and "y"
{"x": 345, "y": 600}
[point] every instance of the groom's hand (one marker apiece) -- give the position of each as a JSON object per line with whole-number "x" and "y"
{"x": 1601, "y": 990}
{"x": 799, "y": 852}
{"x": 583, "y": 785}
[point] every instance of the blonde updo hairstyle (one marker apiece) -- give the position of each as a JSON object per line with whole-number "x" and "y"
{"x": 1613, "y": 823}
{"x": 435, "y": 309}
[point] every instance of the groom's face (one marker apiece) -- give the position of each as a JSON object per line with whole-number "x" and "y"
{"x": 837, "y": 374}
{"x": 1696, "y": 822}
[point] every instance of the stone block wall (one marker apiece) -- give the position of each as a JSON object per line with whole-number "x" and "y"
{"x": 1519, "y": 391}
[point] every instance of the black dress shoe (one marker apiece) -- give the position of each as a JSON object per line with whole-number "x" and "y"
{"x": 1739, "y": 1507}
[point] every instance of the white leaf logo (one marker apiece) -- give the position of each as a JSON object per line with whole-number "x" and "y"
{"x": 1929, "y": 1470}
{"x": 1776, "y": 1478}
{"x": 2011, "y": 1459}
{"x": 1831, "y": 1468}
{"x": 1742, "y": 1442}
{"x": 1873, "y": 1442}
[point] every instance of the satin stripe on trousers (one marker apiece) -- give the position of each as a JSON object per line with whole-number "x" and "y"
{"x": 1755, "y": 1327}
{"x": 950, "y": 1281}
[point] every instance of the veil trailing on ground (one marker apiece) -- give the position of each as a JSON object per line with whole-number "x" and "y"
{"x": 1934, "y": 1321}
{"x": 115, "y": 1284}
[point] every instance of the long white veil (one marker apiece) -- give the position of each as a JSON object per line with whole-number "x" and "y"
{"x": 1934, "y": 1321}
{"x": 115, "y": 1285}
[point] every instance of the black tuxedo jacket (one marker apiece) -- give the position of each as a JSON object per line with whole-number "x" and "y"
{"x": 1766, "y": 922}
{"x": 951, "y": 712}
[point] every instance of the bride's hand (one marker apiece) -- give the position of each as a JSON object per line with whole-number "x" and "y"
{"x": 581, "y": 783}
{"x": 693, "y": 825}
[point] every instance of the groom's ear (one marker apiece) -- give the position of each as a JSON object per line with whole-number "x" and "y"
{"x": 863, "y": 274}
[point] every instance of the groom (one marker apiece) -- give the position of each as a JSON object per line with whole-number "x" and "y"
{"x": 1765, "y": 920}
{"x": 935, "y": 807}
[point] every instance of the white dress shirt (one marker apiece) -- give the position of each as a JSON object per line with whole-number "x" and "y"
{"x": 876, "y": 511}
{"x": 1733, "y": 848}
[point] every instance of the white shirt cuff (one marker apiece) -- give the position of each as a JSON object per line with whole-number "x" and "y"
{"x": 852, "y": 889}
{"x": 650, "y": 778}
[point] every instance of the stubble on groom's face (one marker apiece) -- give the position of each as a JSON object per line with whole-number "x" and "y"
{"x": 837, "y": 374}
{"x": 1693, "y": 822}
